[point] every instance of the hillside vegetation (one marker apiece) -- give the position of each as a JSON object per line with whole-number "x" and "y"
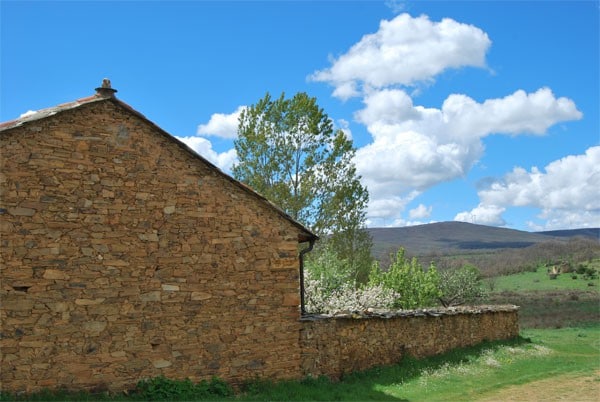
{"x": 452, "y": 238}
{"x": 552, "y": 276}
{"x": 494, "y": 251}
{"x": 569, "y": 254}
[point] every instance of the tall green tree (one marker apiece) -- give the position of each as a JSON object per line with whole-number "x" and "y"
{"x": 289, "y": 152}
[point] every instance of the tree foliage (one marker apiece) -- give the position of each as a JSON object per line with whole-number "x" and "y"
{"x": 289, "y": 152}
{"x": 460, "y": 286}
{"x": 415, "y": 286}
{"x": 331, "y": 271}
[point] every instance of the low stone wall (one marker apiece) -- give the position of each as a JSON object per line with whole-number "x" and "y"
{"x": 336, "y": 345}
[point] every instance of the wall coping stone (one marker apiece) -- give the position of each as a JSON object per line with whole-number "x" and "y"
{"x": 431, "y": 312}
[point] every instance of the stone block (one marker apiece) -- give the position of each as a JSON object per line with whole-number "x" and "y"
{"x": 21, "y": 304}
{"x": 94, "y": 326}
{"x": 21, "y": 211}
{"x": 161, "y": 363}
{"x": 291, "y": 299}
{"x": 88, "y": 302}
{"x": 150, "y": 296}
{"x": 200, "y": 296}
{"x": 148, "y": 237}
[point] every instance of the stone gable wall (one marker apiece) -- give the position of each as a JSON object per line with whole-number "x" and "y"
{"x": 124, "y": 257}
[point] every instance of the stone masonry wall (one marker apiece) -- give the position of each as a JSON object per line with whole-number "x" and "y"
{"x": 333, "y": 346}
{"x": 124, "y": 257}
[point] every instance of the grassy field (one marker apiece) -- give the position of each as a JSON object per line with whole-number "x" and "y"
{"x": 481, "y": 375}
{"x": 540, "y": 281}
{"x": 549, "y": 303}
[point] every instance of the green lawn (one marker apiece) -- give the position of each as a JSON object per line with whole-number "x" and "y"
{"x": 551, "y": 353}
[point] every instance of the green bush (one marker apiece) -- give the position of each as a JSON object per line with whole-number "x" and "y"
{"x": 590, "y": 273}
{"x": 162, "y": 388}
{"x": 460, "y": 286}
{"x": 415, "y": 286}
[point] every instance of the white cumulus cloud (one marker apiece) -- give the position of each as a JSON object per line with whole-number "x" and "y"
{"x": 405, "y": 51}
{"x": 556, "y": 219}
{"x": 415, "y": 148}
{"x": 490, "y": 215}
{"x": 222, "y": 125}
{"x": 572, "y": 182}
{"x": 386, "y": 211}
{"x": 514, "y": 114}
{"x": 203, "y": 147}
{"x": 420, "y": 212}
{"x": 567, "y": 191}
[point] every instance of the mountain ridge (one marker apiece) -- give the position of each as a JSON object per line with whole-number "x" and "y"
{"x": 460, "y": 237}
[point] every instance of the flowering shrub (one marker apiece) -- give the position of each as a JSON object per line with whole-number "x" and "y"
{"x": 344, "y": 298}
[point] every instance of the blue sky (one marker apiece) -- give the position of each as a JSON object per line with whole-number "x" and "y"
{"x": 481, "y": 111}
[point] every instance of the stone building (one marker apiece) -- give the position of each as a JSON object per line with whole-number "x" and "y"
{"x": 125, "y": 255}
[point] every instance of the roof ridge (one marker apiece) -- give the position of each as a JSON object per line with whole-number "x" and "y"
{"x": 49, "y": 111}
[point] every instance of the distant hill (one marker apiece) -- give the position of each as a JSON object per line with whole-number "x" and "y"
{"x": 461, "y": 237}
{"x": 588, "y": 232}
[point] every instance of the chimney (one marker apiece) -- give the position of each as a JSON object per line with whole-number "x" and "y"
{"x": 106, "y": 91}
